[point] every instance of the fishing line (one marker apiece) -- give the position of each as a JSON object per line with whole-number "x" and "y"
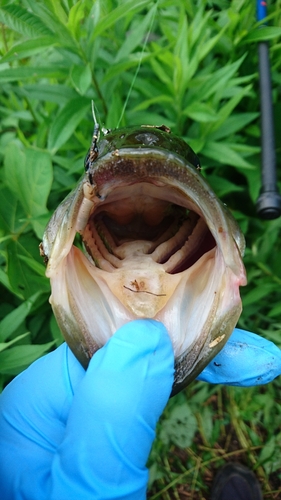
{"x": 139, "y": 63}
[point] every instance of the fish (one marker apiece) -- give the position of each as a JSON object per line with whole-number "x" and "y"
{"x": 143, "y": 235}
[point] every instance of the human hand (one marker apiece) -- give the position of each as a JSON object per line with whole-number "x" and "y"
{"x": 246, "y": 360}
{"x": 66, "y": 433}
{"x": 69, "y": 434}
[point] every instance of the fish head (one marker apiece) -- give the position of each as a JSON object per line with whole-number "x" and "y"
{"x": 156, "y": 243}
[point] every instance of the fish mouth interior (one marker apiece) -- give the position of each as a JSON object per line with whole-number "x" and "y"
{"x": 157, "y": 248}
{"x": 147, "y": 221}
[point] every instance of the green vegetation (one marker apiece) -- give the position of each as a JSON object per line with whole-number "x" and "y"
{"x": 192, "y": 65}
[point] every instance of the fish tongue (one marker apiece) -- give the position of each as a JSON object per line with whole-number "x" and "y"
{"x": 141, "y": 284}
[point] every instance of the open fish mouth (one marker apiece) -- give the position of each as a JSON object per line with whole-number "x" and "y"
{"x": 156, "y": 243}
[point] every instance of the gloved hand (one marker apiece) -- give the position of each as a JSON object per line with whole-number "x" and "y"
{"x": 67, "y": 434}
{"x": 246, "y": 359}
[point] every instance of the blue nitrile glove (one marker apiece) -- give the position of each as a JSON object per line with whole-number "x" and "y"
{"x": 247, "y": 359}
{"x": 67, "y": 434}
{"x": 94, "y": 445}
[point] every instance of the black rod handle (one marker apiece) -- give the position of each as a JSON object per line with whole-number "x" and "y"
{"x": 269, "y": 202}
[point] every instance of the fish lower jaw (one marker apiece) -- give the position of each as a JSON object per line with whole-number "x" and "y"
{"x": 91, "y": 304}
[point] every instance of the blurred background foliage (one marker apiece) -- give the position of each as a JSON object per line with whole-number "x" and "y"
{"x": 192, "y": 65}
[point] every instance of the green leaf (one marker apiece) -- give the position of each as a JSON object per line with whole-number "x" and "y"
{"x": 28, "y": 48}
{"x": 207, "y": 46}
{"x": 230, "y": 105}
{"x": 16, "y": 359}
{"x": 13, "y": 320}
{"x": 58, "y": 94}
{"x": 136, "y": 36}
{"x": 66, "y": 122}
{"x": 200, "y": 112}
{"x": 262, "y": 34}
{"x": 132, "y": 61}
{"x": 75, "y": 17}
{"x": 5, "y": 345}
{"x": 254, "y": 296}
{"x": 129, "y": 6}
{"x": 22, "y": 21}
{"x": 34, "y": 265}
{"x": 11, "y": 212}
{"x": 180, "y": 427}
{"x": 223, "y": 186}
{"x": 29, "y": 174}
{"x": 22, "y": 72}
{"x": 81, "y": 77}
{"x": 23, "y": 281}
{"x": 225, "y": 154}
{"x": 4, "y": 280}
{"x": 232, "y": 124}
{"x": 53, "y": 21}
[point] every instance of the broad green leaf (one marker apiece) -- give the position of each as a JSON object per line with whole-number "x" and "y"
{"x": 183, "y": 70}
{"x": 81, "y": 77}
{"x": 161, "y": 73}
{"x": 75, "y": 17}
{"x": 59, "y": 11}
{"x": 58, "y": 94}
{"x": 275, "y": 311}
{"x": 225, "y": 154}
{"x": 28, "y": 48}
{"x": 4, "y": 280}
{"x": 232, "y": 124}
{"x": 180, "y": 427}
{"x": 132, "y": 61}
{"x": 223, "y": 186}
{"x": 22, "y": 21}
{"x": 230, "y": 105}
{"x": 263, "y": 34}
{"x": 254, "y": 296}
{"x": 5, "y": 345}
{"x": 137, "y": 35}
{"x": 22, "y": 72}
{"x": 200, "y": 112}
{"x": 198, "y": 25}
{"x": 28, "y": 173}
{"x": 23, "y": 281}
{"x": 11, "y": 212}
{"x": 158, "y": 99}
{"x": 66, "y": 122}
{"x": 129, "y": 6}
{"x": 34, "y": 265}
{"x": 210, "y": 82}
{"x": 16, "y": 359}
{"x": 53, "y": 22}
{"x": 11, "y": 322}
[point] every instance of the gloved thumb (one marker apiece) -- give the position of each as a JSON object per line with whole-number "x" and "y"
{"x": 111, "y": 425}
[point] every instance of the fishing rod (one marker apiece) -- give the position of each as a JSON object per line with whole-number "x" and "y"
{"x": 269, "y": 202}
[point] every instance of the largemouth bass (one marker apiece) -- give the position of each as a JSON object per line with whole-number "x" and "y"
{"x": 157, "y": 243}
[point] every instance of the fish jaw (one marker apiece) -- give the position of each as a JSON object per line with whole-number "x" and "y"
{"x": 96, "y": 292}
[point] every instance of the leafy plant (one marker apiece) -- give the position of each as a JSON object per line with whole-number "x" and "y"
{"x": 193, "y": 66}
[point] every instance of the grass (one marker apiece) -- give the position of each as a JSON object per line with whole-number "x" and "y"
{"x": 193, "y": 66}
